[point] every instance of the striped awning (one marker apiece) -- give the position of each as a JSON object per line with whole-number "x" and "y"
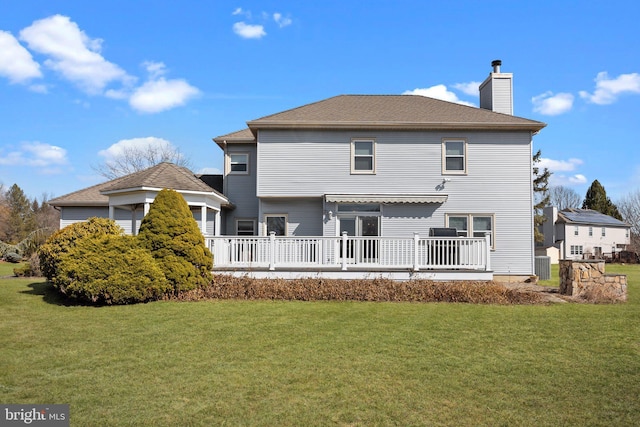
{"x": 386, "y": 198}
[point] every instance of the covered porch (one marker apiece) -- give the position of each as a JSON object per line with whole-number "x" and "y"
{"x": 351, "y": 257}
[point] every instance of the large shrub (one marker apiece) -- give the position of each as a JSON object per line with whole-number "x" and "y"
{"x": 110, "y": 269}
{"x": 172, "y": 235}
{"x": 62, "y": 241}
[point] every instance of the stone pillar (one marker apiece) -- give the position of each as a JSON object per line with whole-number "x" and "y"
{"x": 586, "y": 279}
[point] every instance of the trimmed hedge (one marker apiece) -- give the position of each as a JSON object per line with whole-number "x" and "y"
{"x": 229, "y": 287}
{"x": 172, "y": 235}
{"x": 63, "y": 241}
{"x": 110, "y": 270}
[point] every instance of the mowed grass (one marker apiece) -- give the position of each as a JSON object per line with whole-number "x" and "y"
{"x": 264, "y": 363}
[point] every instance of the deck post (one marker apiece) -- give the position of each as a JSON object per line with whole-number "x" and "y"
{"x": 272, "y": 250}
{"x": 344, "y": 251}
{"x": 487, "y": 239}
{"x": 416, "y": 262}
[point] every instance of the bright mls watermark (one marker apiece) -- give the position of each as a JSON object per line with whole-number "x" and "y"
{"x": 34, "y": 415}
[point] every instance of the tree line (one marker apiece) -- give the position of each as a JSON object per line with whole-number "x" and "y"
{"x": 23, "y": 219}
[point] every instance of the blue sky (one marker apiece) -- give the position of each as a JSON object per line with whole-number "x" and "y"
{"x": 80, "y": 80}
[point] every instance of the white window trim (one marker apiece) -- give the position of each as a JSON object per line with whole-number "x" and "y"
{"x": 237, "y": 153}
{"x": 253, "y": 220}
{"x": 270, "y": 215}
{"x": 470, "y": 230}
{"x": 445, "y": 171}
{"x": 355, "y": 171}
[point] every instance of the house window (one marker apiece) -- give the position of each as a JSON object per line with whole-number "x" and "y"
{"x": 363, "y": 158}
{"x": 239, "y": 163}
{"x": 473, "y": 225}
{"x": 454, "y": 158}
{"x": 604, "y": 231}
{"x": 245, "y": 227}
{"x": 576, "y": 249}
{"x": 575, "y": 230}
{"x": 590, "y": 231}
{"x": 276, "y": 224}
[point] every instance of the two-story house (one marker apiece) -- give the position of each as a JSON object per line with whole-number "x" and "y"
{"x": 389, "y": 166}
{"x": 584, "y": 233}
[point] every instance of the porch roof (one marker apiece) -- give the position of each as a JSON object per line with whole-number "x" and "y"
{"x": 386, "y": 198}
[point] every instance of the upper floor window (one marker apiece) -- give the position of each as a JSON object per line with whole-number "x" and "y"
{"x": 604, "y": 231}
{"x": 363, "y": 156}
{"x": 454, "y": 156}
{"x": 575, "y": 230}
{"x": 239, "y": 163}
{"x": 590, "y": 231}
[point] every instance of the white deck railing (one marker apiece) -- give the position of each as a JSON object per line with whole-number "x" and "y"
{"x": 344, "y": 252}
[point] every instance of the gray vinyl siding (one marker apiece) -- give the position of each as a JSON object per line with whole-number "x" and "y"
{"x": 72, "y": 214}
{"x": 304, "y": 216}
{"x": 241, "y": 191}
{"x": 497, "y": 94}
{"x": 310, "y": 164}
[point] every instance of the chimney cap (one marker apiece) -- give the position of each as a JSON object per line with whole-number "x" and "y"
{"x": 497, "y": 62}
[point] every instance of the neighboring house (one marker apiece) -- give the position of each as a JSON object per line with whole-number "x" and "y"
{"x": 127, "y": 199}
{"x": 388, "y": 166}
{"x": 584, "y": 233}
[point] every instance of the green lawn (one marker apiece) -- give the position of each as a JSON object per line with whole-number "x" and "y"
{"x": 263, "y": 363}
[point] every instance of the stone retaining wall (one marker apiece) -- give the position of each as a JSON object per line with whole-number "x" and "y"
{"x": 586, "y": 279}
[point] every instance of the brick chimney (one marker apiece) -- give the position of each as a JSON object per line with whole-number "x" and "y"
{"x": 496, "y": 92}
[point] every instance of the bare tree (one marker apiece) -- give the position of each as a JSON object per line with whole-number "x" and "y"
{"x": 629, "y": 207}
{"x": 134, "y": 159}
{"x": 564, "y": 197}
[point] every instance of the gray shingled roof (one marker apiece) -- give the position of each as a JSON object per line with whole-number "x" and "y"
{"x": 163, "y": 175}
{"x": 391, "y": 111}
{"x": 589, "y": 217}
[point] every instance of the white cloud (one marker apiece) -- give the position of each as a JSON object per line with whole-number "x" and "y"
{"x": 209, "y": 171}
{"x": 552, "y": 105}
{"x": 39, "y": 88}
{"x": 16, "y": 63}
{"x": 608, "y": 90}
{"x": 72, "y": 53}
{"x": 124, "y": 145}
{"x": 560, "y": 165}
{"x": 281, "y": 21}
{"x": 248, "y": 31}
{"x": 471, "y": 88}
{"x": 159, "y": 94}
{"x": 237, "y": 11}
{"x": 438, "y": 92}
{"x": 35, "y": 154}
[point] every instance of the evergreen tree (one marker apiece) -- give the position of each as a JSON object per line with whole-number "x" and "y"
{"x": 20, "y": 221}
{"x": 541, "y": 196}
{"x": 172, "y": 235}
{"x": 597, "y": 200}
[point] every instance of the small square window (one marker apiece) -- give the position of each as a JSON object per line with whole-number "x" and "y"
{"x": 239, "y": 164}
{"x": 245, "y": 227}
{"x": 362, "y": 156}
{"x": 276, "y": 224}
{"x": 454, "y": 157}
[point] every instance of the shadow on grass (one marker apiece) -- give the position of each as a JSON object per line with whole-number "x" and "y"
{"x": 49, "y": 294}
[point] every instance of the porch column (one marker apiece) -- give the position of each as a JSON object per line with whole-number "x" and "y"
{"x": 216, "y": 224}
{"x": 134, "y": 229}
{"x": 112, "y": 212}
{"x": 203, "y": 219}
{"x": 146, "y": 208}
